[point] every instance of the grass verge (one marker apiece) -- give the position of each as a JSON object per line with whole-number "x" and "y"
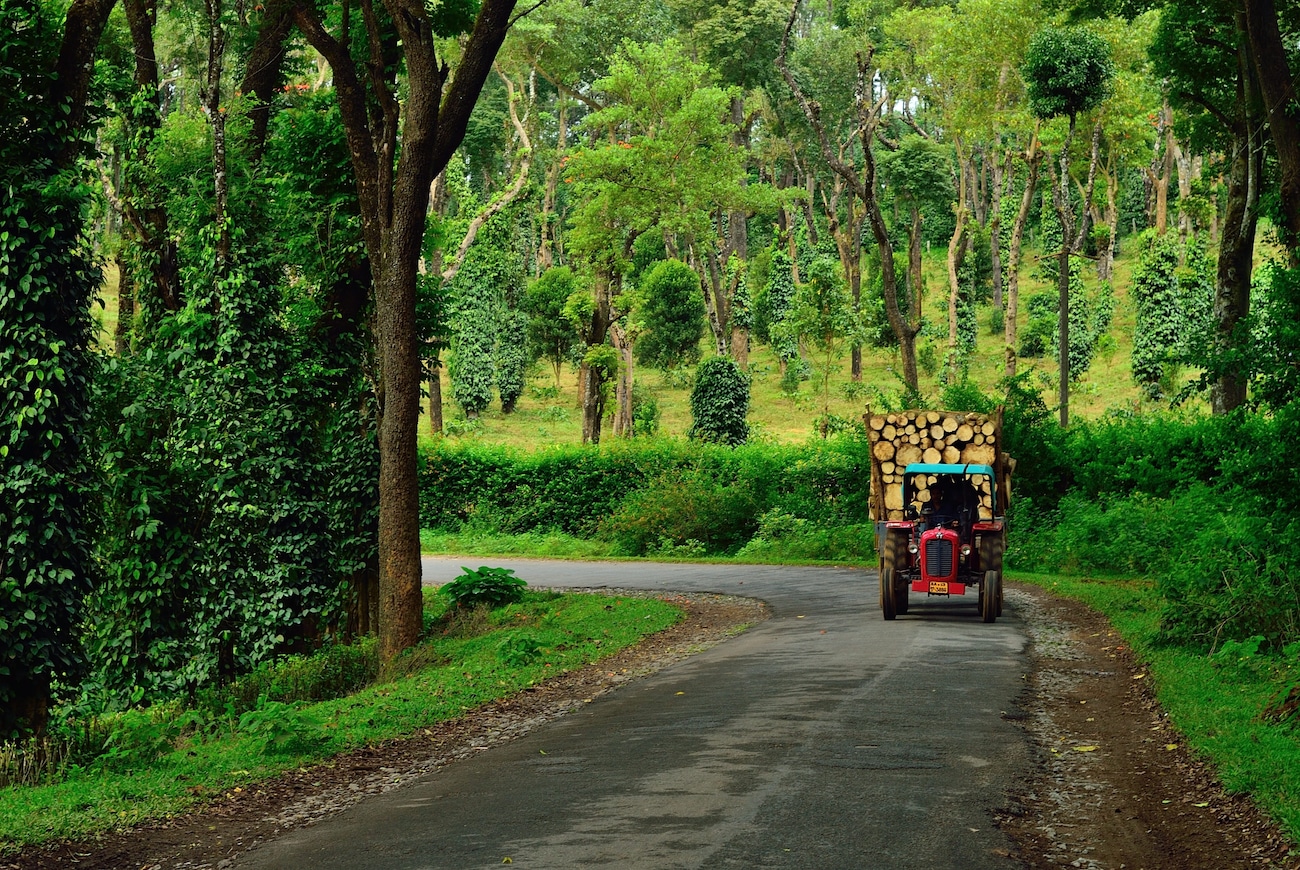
{"x": 1229, "y": 705}
{"x": 164, "y": 761}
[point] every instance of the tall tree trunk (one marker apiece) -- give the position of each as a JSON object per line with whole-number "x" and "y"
{"x": 546, "y": 249}
{"x": 1162, "y": 178}
{"x": 216, "y": 115}
{"x": 591, "y": 381}
{"x": 1001, "y": 176}
{"x": 623, "y": 425}
{"x": 957, "y": 252}
{"x": 737, "y": 221}
{"x": 1237, "y": 242}
{"x": 393, "y": 193}
{"x": 1034, "y": 158}
{"x": 263, "y": 74}
{"x": 142, "y": 205}
{"x": 1065, "y": 214}
{"x": 433, "y": 372}
{"x": 1278, "y": 89}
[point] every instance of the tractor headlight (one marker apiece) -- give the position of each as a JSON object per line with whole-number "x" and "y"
{"x": 965, "y": 550}
{"x": 912, "y": 547}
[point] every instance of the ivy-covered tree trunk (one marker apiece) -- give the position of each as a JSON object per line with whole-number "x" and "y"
{"x": 45, "y": 362}
{"x": 141, "y": 202}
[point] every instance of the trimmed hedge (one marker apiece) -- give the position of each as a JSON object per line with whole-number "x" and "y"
{"x": 595, "y": 491}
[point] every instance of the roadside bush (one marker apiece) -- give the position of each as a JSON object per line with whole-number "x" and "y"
{"x": 678, "y": 507}
{"x": 334, "y": 671}
{"x": 493, "y": 587}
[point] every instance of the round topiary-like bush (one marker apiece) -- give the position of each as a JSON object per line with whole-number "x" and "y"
{"x": 720, "y": 402}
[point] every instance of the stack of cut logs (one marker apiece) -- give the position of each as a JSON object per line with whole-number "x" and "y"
{"x": 932, "y": 437}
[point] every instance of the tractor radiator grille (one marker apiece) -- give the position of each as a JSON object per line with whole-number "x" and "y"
{"x": 938, "y": 557}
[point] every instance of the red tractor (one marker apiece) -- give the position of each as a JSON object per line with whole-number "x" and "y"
{"x": 950, "y": 537}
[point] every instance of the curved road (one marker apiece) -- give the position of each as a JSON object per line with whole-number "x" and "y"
{"x": 823, "y": 737}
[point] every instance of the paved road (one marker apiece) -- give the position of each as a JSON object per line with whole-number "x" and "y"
{"x": 824, "y": 737}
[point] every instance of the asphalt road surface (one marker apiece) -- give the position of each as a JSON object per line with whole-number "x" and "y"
{"x": 824, "y": 737}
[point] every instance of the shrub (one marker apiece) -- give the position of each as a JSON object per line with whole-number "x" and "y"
{"x": 720, "y": 402}
{"x": 680, "y": 507}
{"x": 673, "y": 314}
{"x": 494, "y": 587}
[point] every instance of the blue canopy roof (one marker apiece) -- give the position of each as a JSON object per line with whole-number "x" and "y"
{"x": 944, "y": 468}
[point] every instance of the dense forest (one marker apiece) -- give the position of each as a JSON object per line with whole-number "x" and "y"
{"x": 312, "y": 216}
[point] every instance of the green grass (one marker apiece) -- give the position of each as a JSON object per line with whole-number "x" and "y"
{"x": 1216, "y": 701}
{"x": 520, "y": 645}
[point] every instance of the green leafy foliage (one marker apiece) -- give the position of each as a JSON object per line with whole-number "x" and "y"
{"x": 512, "y": 358}
{"x": 681, "y": 507}
{"x": 1274, "y": 354}
{"x": 775, "y": 305}
{"x": 645, "y": 410}
{"x": 240, "y": 480}
{"x": 1158, "y": 335}
{"x": 49, "y": 278}
{"x": 1090, "y": 318}
{"x": 720, "y": 402}
{"x": 673, "y": 316}
{"x": 492, "y": 587}
{"x": 1067, "y": 71}
{"x": 551, "y": 334}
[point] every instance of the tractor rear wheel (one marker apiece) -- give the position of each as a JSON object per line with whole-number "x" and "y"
{"x": 895, "y": 557}
{"x": 991, "y": 550}
{"x": 888, "y": 600}
{"x": 991, "y": 595}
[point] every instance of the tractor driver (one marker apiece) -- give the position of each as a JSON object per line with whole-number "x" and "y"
{"x": 952, "y": 502}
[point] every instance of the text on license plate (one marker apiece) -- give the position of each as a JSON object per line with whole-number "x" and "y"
{"x": 938, "y": 587}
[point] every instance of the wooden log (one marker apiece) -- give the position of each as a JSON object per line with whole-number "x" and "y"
{"x": 889, "y": 433}
{"x": 894, "y": 499}
{"x": 931, "y": 456}
{"x": 887, "y": 467}
{"x": 883, "y": 450}
{"x": 932, "y": 417}
{"x": 951, "y": 455}
{"x": 950, "y": 424}
{"x": 978, "y": 439}
{"x": 914, "y": 438}
{"x": 965, "y": 432}
{"x": 907, "y": 454}
{"x": 936, "y": 431}
{"x": 876, "y": 422}
{"x": 922, "y": 495}
{"x": 988, "y": 428}
{"x": 981, "y": 454}
{"x": 909, "y": 429}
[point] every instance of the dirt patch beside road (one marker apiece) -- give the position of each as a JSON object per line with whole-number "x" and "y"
{"x": 1114, "y": 786}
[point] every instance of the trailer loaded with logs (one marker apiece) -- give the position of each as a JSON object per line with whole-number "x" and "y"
{"x": 940, "y": 487}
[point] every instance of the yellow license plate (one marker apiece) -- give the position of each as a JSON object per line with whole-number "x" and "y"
{"x": 938, "y": 587}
